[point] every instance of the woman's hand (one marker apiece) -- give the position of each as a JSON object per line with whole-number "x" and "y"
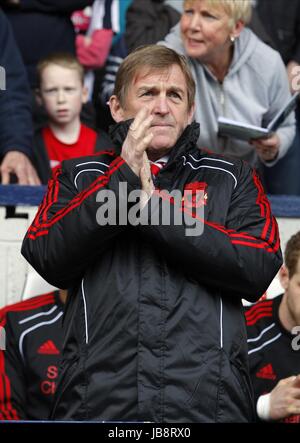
{"x": 267, "y": 148}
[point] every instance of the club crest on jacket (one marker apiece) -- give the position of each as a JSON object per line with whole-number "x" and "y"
{"x": 194, "y": 195}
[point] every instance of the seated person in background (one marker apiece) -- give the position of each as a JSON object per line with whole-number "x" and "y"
{"x": 283, "y": 26}
{"x": 274, "y": 350}
{"x": 15, "y": 112}
{"x": 62, "y": 93}
{"x": 150, "y": 21}
{"x": 42, "y": 27}
{"x": 92, "y": 49}
{"x": 29, "y": 364}
{"x": 105, "y": 80}
{"x": 226, "y": 61}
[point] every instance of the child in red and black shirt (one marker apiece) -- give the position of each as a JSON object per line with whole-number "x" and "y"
{"x": 62, "y": 94}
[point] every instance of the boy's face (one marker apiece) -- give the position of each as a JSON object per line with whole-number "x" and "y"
{"x": 62, "y": 94}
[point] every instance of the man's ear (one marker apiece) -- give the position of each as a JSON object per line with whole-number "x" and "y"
{"x": 116, "y": 109}
{"x": 191, "y": 114}
{"x": 284, "y": 277}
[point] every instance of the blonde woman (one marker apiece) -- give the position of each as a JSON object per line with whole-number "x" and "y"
{"x": 237, "y": 76}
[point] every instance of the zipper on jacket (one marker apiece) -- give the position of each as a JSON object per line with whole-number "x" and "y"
{"x": 221, "y": 323}
{"x": 85, "y": 312}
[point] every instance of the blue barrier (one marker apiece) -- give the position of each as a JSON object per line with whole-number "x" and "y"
{"x": 285, "y": 205}
{"x": 14, "y": 195}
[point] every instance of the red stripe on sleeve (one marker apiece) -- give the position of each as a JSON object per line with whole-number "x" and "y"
{"x": 256, "y": 313}
{"x": 256, "y": 306}
{"x": 6, "y": 408}
{"x": 35, "y": 231}
{"x": 263, "y": 314}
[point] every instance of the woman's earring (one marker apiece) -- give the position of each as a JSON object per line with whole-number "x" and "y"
{"x": 232, "y": 38}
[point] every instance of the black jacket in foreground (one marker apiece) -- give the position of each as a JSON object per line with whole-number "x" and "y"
{"x": 154, "y": 325}
{"x": 29, "y": 366}
{"x": 274, "y": 353}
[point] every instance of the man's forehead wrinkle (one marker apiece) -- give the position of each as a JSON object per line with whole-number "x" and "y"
{"x": 156, "y": 87}
{"x": 164, "y": 75}
{"x": 157, "y": 84}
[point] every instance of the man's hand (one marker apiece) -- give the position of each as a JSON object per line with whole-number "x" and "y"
{"x": 137, "y": 141}
{"x": 146, "y": 179}
{"x": 285, "y": 398}
{"x": 267, "y": 148}
{"x": 15, "y": 162}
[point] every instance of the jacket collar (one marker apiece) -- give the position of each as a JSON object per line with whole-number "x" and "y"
{"x": 184, "y": 144}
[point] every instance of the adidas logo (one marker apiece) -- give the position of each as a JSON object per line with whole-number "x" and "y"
{"x": 48, "y": 348}
{"x": 266, "y": 372}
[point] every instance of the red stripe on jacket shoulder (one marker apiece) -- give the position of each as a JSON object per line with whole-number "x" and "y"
{"x": 258, "y": 317}
{"x": 259, "y": 310}
{"x": 41, "y": 228}
{"x": 26, "y": 305}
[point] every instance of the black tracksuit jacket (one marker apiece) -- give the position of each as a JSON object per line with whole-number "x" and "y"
{"x": 29, "y": 365}
{"x": 154, "y": 325}
{"x": 273, "y": 351}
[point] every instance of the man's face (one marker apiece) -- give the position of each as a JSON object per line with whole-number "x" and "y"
{"x": 62, "y": 94}
{"x": 164, "y": 94}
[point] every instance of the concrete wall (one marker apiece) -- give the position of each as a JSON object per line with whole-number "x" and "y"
{"x": 14, "y": 270}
